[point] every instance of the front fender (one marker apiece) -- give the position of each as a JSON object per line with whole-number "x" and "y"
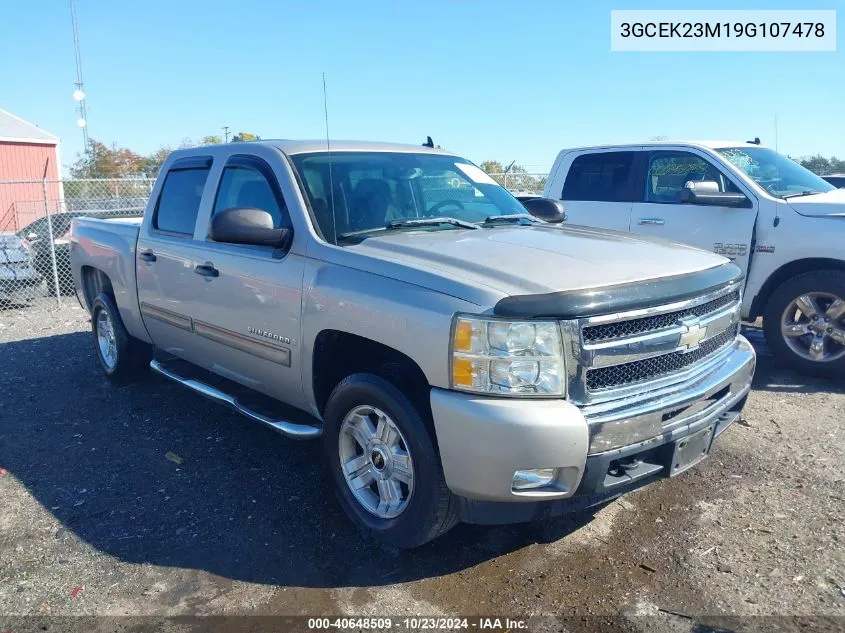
{"x": 410, "y": 319}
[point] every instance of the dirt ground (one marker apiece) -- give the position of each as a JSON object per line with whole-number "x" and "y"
{"x": 147, "y": 500}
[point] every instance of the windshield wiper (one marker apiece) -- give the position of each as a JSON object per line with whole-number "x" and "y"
{"x": 395, "y": 224}
{"x": 513, "y": 218}
{"x": 409, "y": 223}
{"x": 798, "y": 195}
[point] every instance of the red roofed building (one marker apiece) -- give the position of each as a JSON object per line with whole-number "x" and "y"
{"x": 26, "y": 153}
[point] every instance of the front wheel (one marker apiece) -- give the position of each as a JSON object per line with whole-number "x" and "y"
{"x": 384, "y": 464}
{"x": 804, "y": 323}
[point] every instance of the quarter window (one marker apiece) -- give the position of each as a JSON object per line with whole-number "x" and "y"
{"x": 244, "y": 187}
{"x": 668, "y": 172}
{"x": 604, "y": 177}
{"x": 179, "y": 201}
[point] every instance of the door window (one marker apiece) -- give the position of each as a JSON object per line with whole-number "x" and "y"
{"x": 669, "y": 171}
{"x": 179, "y": 201}
{"x": 245, "y": 187}
{"x": 604, "y": 177}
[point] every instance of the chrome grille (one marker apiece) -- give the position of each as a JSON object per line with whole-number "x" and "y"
{"x": 632, "y": 327}
{"x": 629, "y": 353}
{"x": 655, "y": 367}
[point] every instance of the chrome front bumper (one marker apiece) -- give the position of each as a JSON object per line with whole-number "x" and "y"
{"x": 600, "y": 451}
{"x": 716, "y": 387}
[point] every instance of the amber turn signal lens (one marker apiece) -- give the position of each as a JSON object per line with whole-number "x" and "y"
{"x": 463, "y": 336}
{"x": 462, "y": 372}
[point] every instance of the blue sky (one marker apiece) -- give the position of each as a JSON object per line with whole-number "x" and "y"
{"x": 503, "y": 80}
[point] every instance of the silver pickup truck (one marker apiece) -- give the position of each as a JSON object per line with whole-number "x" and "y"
{"x": 461, "y": 358}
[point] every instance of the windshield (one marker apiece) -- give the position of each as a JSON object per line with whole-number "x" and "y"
{"x": 377, "y": 190}
{"x": 779, "y": 175}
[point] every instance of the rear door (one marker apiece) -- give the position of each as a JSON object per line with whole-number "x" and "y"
{"x": 660, "y": 212}
{"x": 598, "y": 189}
{"x": 247, "y": 305}
{"x": 167, "y": 256}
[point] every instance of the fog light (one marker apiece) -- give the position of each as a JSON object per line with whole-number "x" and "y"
{"x": 533, "y": 478}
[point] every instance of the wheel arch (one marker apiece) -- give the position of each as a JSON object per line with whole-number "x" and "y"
{"x": 786, "y": 272}
{"x": 95, "y": 281}
{"x": 338, "y": 354}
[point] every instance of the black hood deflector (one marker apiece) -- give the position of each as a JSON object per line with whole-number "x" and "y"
{"x": 589, "y": 302}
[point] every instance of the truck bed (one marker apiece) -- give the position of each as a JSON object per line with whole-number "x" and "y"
{"x": 109, "y": 244}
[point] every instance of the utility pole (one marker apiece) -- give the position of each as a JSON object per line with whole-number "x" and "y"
{"x": 79, "y": 93}
{"x": 226, "y": 133}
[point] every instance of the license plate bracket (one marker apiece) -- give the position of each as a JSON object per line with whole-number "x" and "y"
{"x": 690, "y": 450}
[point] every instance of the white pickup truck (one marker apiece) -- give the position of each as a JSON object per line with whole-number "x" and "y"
{"x": 780, "y": 223}
{"x": 460, "y": 358}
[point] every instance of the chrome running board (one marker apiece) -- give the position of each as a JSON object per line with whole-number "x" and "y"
{"x": 291, "y": 429}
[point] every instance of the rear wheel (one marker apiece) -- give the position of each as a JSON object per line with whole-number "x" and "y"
{"x": 121, "y": 356}
{"x": 384, "y": 465}
{"x": 804, "y": 323}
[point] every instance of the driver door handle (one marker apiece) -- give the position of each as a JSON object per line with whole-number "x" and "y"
{"x": 207, "y": 270}
{"x": 652, "y": 221}
{"x": 147, "y": 256}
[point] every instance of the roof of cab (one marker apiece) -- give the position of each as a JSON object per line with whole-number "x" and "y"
{"x": 305, "y": 146}
{"x": 290, "y": 147}
{"x": 702, "y": 144}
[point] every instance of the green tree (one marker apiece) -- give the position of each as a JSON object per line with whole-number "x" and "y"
{"x": 820, "y": 165}
{"x": 102, "y": 161}
{"x": 245, "y": 136}
{"x": 211, "y": 140}
{"x": 492, "y": 166}
{"x": 152, "y": 164}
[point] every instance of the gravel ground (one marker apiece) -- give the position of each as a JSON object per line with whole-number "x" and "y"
{"x": 147, "y": 500}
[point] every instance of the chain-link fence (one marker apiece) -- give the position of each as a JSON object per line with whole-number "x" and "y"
{"x": 521, "y": 182}
{"x": 35, "y": 218}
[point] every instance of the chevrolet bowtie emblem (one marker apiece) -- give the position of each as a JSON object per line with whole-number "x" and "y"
{"x": 693, "y": 335}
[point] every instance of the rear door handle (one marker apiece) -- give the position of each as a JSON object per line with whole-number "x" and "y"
{"x": 148, "y": 256}
{"x": 653, "y": 221}
{"x": 207, "y": 270}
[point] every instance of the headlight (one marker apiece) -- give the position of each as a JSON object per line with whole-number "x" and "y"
{"x": 521, "y": 358}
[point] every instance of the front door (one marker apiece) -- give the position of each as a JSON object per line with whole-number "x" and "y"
{"x": 247, "y": 306}
{"x": 724, "y": 230}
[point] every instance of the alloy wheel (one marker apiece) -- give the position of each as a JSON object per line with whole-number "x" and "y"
{"x": 376, "y": 461}
{"x": 106, "y": 340}
{"x": 813, "y": 326}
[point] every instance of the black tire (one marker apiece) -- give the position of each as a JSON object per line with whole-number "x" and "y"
{"x": 827, "y": 281}
{"x": 132, "y": 356}
{"x": 431, "y": 509}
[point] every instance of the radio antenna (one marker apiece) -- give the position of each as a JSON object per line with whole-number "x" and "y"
{"x": 777, "y": 171}
{"x": 329, "y": 150}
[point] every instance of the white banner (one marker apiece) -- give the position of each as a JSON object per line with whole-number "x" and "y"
{"x": 710, "y": 30}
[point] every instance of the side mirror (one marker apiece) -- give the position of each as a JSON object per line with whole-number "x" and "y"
{"x": 706, "y": 192}
{"x": 546, "y": 209}
{"x": 248, "y": 226}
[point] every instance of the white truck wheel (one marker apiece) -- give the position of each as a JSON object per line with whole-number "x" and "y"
{"x": 804, "y": 323}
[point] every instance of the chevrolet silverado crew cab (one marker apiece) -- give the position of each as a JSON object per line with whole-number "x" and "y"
{"x": 780, "y": 223}
{"x": 461, "y": 358}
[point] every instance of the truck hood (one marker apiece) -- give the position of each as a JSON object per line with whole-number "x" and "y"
{"x": 828, "y": 204}
{"x": 537, "y": 259}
